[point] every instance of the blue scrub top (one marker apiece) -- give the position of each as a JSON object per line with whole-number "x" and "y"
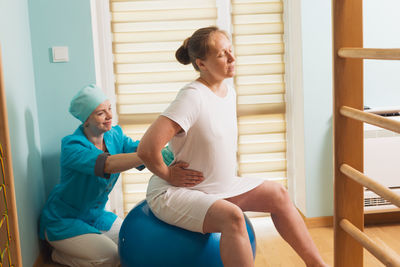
{"x": 76, "y": 205}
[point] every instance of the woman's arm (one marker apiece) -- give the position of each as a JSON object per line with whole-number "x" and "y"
{"x": 121, "y": 162}
{"x": 149, "y": 150}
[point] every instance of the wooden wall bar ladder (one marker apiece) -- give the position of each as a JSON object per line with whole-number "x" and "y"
{"x": 348, "y": 114}
{"x": 10, "y": 248}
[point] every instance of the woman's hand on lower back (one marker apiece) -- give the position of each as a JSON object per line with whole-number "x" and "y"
{"x": 180, "y": 176}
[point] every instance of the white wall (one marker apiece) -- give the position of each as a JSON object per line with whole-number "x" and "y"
{"x": 309, "y": 95}
{"x": 317, "y": 77}
{"x": 381, "y": 30}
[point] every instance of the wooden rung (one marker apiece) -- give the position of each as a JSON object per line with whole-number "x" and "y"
{"x": 370, "y": 184}
{"x": 370, "y": 118}
{"x": 382, "y": 253}
{"x": 369, "y": 53}
{"x": 4, "y": 217}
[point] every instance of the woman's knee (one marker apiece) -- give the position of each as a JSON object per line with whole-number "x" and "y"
{"x": 280, "y": 196}
{"x": 86, "y": 250}
{"x": 108, "y": 259}
{"x": 235, "y": 219}
{"x": 224, "y": 216}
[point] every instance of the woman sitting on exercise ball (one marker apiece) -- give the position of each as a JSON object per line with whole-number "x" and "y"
{"x": 200, "y": 126}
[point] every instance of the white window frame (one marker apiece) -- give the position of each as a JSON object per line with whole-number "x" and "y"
{"x": 104, "y": 67}
{"x": 294, "y": 103}
{"x": 102, "y": 46}
{"x": 224, "y": 21}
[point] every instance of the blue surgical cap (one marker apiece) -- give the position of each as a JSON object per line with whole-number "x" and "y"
{"x": 86, "y": 101}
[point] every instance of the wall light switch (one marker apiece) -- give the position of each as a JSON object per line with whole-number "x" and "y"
{"x": 60, "y": 54}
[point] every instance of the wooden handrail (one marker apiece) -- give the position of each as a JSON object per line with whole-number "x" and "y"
{"x": 369, "y": 53}
{"x": 370, "y": 184}
{"x": 15, "y": 246}
{"x": 370, "y": 118}
{"x": 384, "y": 254}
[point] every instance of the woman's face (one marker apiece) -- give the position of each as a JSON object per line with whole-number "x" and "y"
{"x": 220, "y": 62}
{"x": 100, "y": 120}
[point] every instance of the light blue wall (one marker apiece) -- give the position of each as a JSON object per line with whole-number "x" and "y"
{"x": 23, "y": 122}
{"x": 381, "y": 30}
{"x": 38, "y": 94}
{"x": 317, "y": 87}
{"x": 59, "y": 23}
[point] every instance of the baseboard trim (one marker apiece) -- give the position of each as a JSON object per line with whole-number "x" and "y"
{"x": 39, "y": 260}
{"x": 44, "y": 257}
{"x": 370, "y": 218}
{"x": 43, "y": 254}
{"x": 382, "y": 217}
{"x": 313, "y": 222}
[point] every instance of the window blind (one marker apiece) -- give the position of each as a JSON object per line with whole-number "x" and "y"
{"x": 258, "y": 46}
{"x": 146, "y": 35}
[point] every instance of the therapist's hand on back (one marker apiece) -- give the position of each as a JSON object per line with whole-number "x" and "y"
{"x": 181, "y": 177}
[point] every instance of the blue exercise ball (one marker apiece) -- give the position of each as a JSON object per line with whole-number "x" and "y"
{"x": 146, "y": 241}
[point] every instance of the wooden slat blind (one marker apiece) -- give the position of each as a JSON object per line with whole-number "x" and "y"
{"x": 259, "y": 49}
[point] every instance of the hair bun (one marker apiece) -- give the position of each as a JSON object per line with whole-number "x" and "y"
{"x": 186, "y": 42}
{"x": 182, "y": 54}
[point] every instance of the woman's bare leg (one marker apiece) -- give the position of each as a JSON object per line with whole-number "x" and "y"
{"x": 272, "y": 197}
{"x": 228, "y": 219}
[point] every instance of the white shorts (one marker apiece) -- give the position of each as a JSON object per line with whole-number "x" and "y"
{"x": 182, "y": 206}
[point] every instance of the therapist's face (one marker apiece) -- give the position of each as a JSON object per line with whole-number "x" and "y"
{"x": 100, "y": 120}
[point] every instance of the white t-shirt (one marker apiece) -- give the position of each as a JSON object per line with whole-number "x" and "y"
{"x": 209, "y": 140}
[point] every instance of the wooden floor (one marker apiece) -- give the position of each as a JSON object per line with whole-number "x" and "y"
{"x": 273, "y": 251}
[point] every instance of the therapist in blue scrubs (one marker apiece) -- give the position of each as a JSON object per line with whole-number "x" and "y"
{"x": 74, "y": 221}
